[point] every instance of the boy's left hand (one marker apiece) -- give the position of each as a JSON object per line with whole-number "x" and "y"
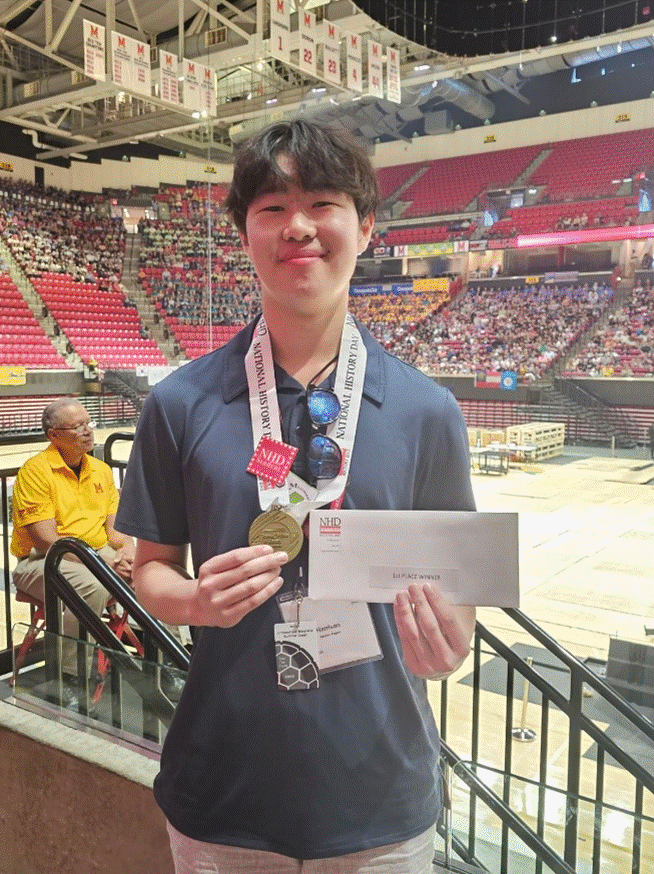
{"x": 435, "y": 634}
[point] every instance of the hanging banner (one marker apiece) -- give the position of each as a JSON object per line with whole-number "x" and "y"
{"x": 192, "y": 73}
{"x": 280, "y": 29}
{"x": 375, "y": 70}
{"x": 208, "y": 90}
{"x": 353, "y": 57}
{"x": 332, "y": 53}
{"x": 168, "y": 77}
{"x": 121, "y": 60}
{"x": 308, "y": 55}
{"x": 94, "y": 51}
{"x": 141, "y": 56}
{"x": 393, "y": 86}
{"x": 131, "y": 64}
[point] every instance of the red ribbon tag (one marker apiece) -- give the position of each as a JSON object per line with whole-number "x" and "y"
{"x": 272, "y": 460}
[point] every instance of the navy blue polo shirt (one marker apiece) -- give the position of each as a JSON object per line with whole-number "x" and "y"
{"x": 342, "y": 768}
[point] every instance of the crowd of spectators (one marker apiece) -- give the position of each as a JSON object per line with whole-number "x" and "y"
{"x": 52, "y": 231}
{"x": 394, "y": 319}
{"x": 624, "y": 345}
{"x": 526, "y": 328}
{"x": 174, "y": 263}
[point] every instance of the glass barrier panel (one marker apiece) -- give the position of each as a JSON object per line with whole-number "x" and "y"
{"x": 121, "y": 694}
{"x": 606, "y": 837}
{"x": 500, "y": 852}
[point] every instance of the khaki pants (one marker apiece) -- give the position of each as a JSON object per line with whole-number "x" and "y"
{"x": 28, "y": 577}
{"x": 414, "y": 856}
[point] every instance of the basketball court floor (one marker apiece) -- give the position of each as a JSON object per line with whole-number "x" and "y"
{"x": 586, "y": 574}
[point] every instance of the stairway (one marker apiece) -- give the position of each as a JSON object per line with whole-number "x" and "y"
{"x": 389, "y": 208}
{"x": 565, "y": 400}
{"x": 526, "y": 173}
{"x": 148, "y": 314}
{"x": 118, "y": 383}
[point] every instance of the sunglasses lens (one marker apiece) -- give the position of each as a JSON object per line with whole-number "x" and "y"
{"x": 324, "y": 406}
{"x": 324, "y": 457}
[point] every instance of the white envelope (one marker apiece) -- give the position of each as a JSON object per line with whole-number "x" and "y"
{"x": 370, "y": 555}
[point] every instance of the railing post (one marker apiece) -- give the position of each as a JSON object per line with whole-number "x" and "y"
{"x": 574, "y": 763}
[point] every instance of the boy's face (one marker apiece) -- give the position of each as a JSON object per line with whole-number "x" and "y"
{"x": 304, "y": 245}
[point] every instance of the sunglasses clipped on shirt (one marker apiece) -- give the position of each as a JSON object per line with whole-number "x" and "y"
{"x": 324, "y": 455}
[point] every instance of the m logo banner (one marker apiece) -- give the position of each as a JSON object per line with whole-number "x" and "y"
{"x": 94, "y": 51}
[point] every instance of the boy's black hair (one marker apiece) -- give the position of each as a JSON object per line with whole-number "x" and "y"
{"x": 325, "y": 159}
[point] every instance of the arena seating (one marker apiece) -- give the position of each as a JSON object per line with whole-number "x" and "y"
{"x": 22, "y": 339}
{"x": 624, "y": 346}
{"x": 594, "y": 166}
{"x": 523, "y": 328}
{"x": 174, "y": 265}
{"x": 99, "y": 324}
{"x": 391, "y": 179}
{"x": 449, "y": 185}
{"x": 545, "y": 218}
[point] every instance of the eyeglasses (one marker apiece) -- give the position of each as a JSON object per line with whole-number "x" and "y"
{"x": 324, "y": 456}
{"x": 78, "y": 429}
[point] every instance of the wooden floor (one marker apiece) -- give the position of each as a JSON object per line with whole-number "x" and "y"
{"x": 587, "y": 574}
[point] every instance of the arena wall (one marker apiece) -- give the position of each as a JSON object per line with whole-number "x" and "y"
{"x": 78, "y": 804}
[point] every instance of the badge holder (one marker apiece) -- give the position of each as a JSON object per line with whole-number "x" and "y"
{"x": 297, "y": 652}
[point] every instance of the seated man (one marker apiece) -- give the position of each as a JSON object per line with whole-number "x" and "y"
{"x": 63, "y": 492}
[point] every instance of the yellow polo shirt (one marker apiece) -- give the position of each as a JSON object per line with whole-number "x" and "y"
{"x": 46, "y": 488}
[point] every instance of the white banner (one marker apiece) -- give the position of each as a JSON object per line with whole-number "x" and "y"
{"x": 375, "y": 70}
{"x": 308, "y": 59}
{"x": 121, "y": 59}
{"x": 143, "y": 74}
{"x": 192, "y": 73}
{"x": 131, "y": 63}
{"x": 354, "y": 73}
{"x": 94, "y": 51}
{"x": 168, "y": 77}
{"x": 393, "y": 86}
{"x": 208, "y": 90}
{"x": 331, "y": 52}
{"x": 280, "y": 28}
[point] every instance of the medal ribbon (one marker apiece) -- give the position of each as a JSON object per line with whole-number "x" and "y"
{"x": 264, "y": 413}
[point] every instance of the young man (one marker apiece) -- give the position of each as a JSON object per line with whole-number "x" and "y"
{"x": 254, "y": 777}
{"x": 64, "y": 492}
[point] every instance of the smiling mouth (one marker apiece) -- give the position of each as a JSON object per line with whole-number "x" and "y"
{"x": 302, "y": 255}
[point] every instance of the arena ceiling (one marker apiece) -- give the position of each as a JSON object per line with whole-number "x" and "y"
{"x": 463, "y": 63}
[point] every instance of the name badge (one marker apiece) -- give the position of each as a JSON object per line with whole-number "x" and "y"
{"x": 296, "y": 656}
{"x": 346, "y": 633}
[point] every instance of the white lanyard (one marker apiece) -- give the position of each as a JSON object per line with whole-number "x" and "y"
{"x": 264, "y": 413}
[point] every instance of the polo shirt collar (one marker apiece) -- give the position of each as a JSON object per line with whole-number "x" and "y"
{"x": 234, "y": 379}
{"x": 56, "y": 462}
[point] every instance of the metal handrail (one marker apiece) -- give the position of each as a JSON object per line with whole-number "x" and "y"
{"x": 116, "y": 437}
{"x": 592, "y": 679}
{"x": 57, "y": 585}
{"x": 542, "y": 850}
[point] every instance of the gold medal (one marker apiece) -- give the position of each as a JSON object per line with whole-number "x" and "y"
{"x": 277, "y": 529}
